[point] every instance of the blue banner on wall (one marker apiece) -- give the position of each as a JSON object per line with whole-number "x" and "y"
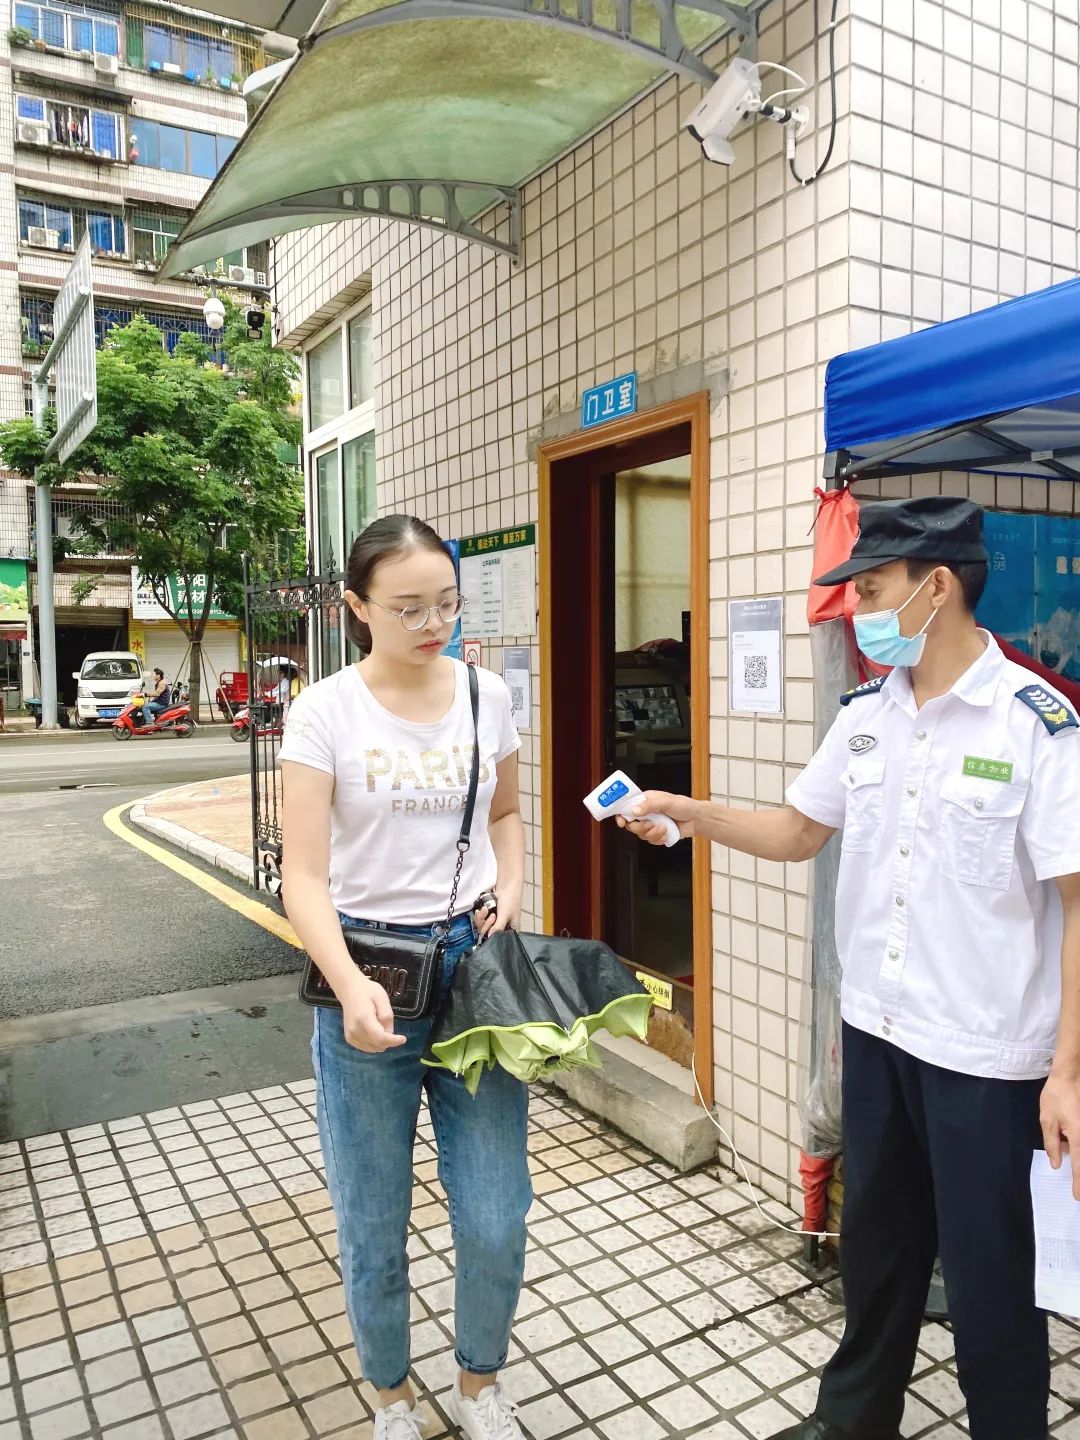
{"x": 1008, "y": 604}
{"x": 1057, "y": 597}
{"x": 454, "y": 648}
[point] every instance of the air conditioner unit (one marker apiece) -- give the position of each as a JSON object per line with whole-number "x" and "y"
{"x": 33, "y": 132}
{"x": 260, "y": 277}
{"x": 106, "y": 64}
{"x": 46, "y": 239}
{"x": 241, "y": 275}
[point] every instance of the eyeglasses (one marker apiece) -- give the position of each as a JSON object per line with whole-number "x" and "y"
{"x": 415, "y": 617}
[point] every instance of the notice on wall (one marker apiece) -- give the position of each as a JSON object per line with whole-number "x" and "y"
{"x": 498, "y": 580}
{"x": 518, "y": 677}
{"x": 755, "y": 649}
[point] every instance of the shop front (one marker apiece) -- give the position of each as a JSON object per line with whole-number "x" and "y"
{"x": 14, "y": 632}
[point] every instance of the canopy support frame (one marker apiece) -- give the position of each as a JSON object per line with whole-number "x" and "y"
{"x": 348, "y": 201}
{"x": 841, "y": 468}
{"x": 672, "y": 50}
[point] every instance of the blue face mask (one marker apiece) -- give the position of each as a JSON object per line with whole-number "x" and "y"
{"x": 878, "y": 635}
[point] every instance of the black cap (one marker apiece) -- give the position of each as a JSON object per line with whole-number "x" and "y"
{"x": 934, "y": 527}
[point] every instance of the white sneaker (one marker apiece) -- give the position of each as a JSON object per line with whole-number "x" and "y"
{"x": 491, "y": 1417}
{"x": 399, "y": 1422}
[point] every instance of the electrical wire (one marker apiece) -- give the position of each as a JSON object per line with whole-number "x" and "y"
{"x": 823, "y": 166}
{"x": 771, "y": 1220}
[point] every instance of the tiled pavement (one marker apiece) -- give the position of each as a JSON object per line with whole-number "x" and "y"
{"x": 172, "y": 1275}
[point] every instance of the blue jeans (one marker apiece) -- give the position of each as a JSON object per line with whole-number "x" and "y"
{"x": 368, "y": 1106}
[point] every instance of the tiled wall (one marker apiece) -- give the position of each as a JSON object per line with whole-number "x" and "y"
{"x": 11, "y": 385}
{"x": 964, "y": 156}
{"x": 638, "y": 255}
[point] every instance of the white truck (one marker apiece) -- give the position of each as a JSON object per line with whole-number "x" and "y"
{"x": 107, "y": 681}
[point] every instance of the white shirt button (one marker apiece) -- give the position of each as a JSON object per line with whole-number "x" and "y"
{"x": 920, "y": 735}
{"x": 911, "y": 790}
{"x": 978, "y": 804}
{"x": 900, "y": 900}
{"x": 894, "y": 954}
{"x": 904, "y": 851}
{"x": 885, "y": 1030}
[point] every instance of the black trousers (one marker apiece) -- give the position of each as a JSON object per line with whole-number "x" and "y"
{"x": 937, "y": 1163}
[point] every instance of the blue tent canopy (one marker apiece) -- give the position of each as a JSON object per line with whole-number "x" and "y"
{"x": 996, "y": 391}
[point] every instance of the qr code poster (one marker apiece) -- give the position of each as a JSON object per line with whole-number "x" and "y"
{"x": 756, "y": 680}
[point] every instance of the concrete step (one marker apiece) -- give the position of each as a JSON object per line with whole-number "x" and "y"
{"x": 648, "y": 1097}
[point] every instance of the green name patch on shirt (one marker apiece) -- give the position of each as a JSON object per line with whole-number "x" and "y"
{"x": 980, "y": 769}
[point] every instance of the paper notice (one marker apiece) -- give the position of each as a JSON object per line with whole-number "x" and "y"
{"x": 1057, "y": 1236}
{"x": 519, "y": 591}
{"x": 518, "y": 679}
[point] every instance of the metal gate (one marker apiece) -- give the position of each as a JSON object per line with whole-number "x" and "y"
{"x": 295, "y": 634}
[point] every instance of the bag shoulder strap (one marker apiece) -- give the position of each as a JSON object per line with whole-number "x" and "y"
{"x": 470, "y": 800}
{"x": 474, "y": 777}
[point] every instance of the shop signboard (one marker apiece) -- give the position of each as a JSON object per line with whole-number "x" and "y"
{"x": 14, "y": 593}
{"x": 145, "y": 605}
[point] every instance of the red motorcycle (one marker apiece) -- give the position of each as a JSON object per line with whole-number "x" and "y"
{"x": 174, "y": 720}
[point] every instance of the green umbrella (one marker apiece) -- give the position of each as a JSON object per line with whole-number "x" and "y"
{"x": 532, "y": 1003}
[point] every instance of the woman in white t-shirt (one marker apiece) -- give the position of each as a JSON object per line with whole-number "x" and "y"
{"x": 375, "y": 763}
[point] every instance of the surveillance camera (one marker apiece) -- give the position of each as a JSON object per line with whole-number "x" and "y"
{"x": 735, "y": 95}
{"x": 214, "y": 313}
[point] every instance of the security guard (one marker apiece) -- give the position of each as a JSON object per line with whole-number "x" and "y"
{"x": 956, "y": 781}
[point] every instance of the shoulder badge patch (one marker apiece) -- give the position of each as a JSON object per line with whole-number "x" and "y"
{"x": 1051, "y": 710}
{"x": 869, "y": 687}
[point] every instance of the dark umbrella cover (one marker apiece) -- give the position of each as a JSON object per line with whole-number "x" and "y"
{"x": 531, "y": 1003}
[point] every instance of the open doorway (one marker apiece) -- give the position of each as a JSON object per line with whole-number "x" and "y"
{"x": 624, "y": 661}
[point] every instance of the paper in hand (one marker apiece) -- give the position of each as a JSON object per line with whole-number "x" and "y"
{"x": 1057, "y": 1236}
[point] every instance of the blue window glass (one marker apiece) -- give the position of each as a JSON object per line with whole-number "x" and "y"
{"x": 222, "y": 60}
{"x": 103, "y": 233}
{"x": 172, "y": 149}
{"x": 31, "y": 212}
{"x": 29, "y": 108}
{"x": 203, "y": 154}
{"x": 82, "y": 33}
{"x": 106, "y": 37}
{"x": 119, "y": 238}
{"x": 144, "y": 142}
{"x": 53, "y": 28}
{"x": 162, "y": 46}
{"x": 226, "y": 144}
{"x": 28, "y": 17}
{"x": 105, "y": 134}
{"x": 105, "y": 317}
{"x": 59, "y": 219}
{"x": 197, "y": 55}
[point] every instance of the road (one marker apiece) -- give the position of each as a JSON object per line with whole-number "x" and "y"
{"x": 29, "y": 765}
{"x": 123, "y": 985}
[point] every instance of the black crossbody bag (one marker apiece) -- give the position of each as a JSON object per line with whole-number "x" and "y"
{"x": 408, "y": 968}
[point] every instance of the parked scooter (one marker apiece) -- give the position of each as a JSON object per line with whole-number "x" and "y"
{"x": 269, "y": 689}
{"x": 174, "y": 720}
{"x": 240, "y": 729}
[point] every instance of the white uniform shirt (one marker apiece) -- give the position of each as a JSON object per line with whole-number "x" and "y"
{"x": 957, "y": 818}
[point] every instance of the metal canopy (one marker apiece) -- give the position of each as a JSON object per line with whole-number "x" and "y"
{"x": 996, "y": 391}
{"x": 436, "y": 111}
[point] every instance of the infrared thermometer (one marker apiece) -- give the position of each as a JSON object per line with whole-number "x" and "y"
{"x": 617, "y": 795}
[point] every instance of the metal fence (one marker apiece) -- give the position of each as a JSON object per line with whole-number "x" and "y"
{"x": 295, "y": 635}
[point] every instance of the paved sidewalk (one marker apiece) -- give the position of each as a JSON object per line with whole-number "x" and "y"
{"x": 172, "y": 1276}
{"x": 210, "y": 819}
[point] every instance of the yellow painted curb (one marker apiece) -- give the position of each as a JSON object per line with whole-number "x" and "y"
{"x": 245, "y": 905}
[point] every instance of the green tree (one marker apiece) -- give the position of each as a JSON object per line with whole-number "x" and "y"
{"x": 194, "y": 454}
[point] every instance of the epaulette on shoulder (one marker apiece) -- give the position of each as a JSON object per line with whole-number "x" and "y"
{"x": 869, "y": 687}
{"x": 1050, "y": 708}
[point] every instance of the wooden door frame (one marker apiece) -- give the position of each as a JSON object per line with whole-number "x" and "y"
{"x": 693, "y": 411}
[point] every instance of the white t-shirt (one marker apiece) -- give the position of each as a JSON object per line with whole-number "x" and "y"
{"x": 399, "y": 792}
